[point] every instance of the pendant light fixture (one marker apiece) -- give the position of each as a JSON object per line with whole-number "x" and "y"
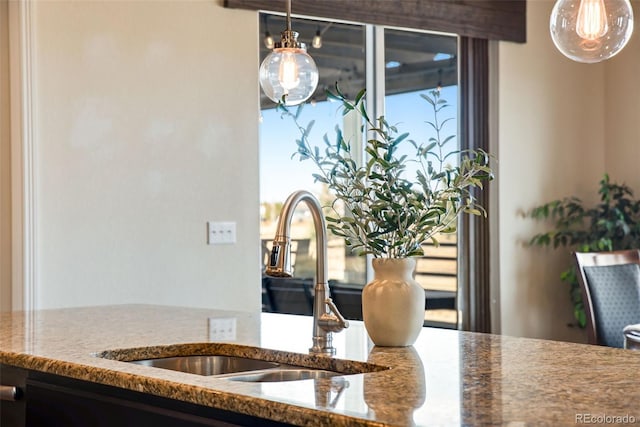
{"x": 591, "y": 30}
{"x": 316, "y": 42}
{"x": 268, "y": 39}
{"x": 288, "y": 71}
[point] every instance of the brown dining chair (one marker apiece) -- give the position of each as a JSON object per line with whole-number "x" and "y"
{"x": 610, "y": 286}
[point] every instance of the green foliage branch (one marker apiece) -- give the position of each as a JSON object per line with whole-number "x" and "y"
{"x": 390, "y": 214}
{"x": 612, "y": 224}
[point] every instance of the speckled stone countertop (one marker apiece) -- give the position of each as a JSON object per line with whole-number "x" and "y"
{"x": 446, "y": 378}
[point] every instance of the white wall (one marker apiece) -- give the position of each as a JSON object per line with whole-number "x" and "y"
{"x": 146, "y": 128}
{"x": 551, "y": 138}
{"x": 5, "y": 162}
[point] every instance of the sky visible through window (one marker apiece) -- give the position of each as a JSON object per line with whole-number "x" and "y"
{"x": 280, "y": 175}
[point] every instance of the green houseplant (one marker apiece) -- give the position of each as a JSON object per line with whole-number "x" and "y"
{"x": 390, "y": 213}
{"x": 612, "y": 224}
{"x": 393, "y": 204}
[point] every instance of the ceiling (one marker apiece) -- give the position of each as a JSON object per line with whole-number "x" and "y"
{"x": 422, "y": 60}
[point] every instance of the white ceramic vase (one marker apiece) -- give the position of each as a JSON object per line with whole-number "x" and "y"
{"x": 393, "y": 303}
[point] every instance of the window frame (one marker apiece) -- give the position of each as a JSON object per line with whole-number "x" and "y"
{"x": 474, "y": 255}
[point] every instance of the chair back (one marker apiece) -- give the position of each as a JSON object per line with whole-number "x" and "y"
{"x": 348, "y": 298}
{"x": 610, "y": 287}
{"x": 289, "y": 295}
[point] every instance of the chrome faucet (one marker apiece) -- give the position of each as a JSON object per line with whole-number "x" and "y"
{"x": 326, "y": 317}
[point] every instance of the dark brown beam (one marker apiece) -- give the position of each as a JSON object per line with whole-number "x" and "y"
{"x": 485, "y": 19}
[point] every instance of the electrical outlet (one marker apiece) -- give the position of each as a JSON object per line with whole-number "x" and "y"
{"x": 220, "y": 233}
{"x": 222, "y": 329}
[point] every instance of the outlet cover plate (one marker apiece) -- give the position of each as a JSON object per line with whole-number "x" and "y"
{"x": 222, "y": 328}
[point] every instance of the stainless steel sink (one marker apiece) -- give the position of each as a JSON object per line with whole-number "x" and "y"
{"x": 236, "y": 368}
{"x": 238, "y": 363}
{"x": 289, "y": 374}
{"x": 208, "y": 364}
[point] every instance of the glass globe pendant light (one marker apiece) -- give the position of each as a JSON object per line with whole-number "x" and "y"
{"x": 591, "y": 30}
{"x": 289, "y": 71}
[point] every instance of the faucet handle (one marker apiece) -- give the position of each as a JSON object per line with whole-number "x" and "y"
{"x": 333, "y": 322}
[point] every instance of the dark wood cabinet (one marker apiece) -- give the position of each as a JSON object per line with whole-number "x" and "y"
{"x": 12, "y": 405}
{"x": 51, "y": 400}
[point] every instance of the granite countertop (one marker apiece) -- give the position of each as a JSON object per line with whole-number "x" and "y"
{"x": 446, "y": 378}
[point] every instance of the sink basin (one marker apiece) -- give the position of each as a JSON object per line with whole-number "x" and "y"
{"x": 239, "y": 362}
{"x": 236, "y": 368}
{"x": 289, "y": 374}
{"x": 208, "y": 364}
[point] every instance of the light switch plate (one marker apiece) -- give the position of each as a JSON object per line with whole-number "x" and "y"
{"x": 221, "y": 233}
{"x": 222, "y": 329}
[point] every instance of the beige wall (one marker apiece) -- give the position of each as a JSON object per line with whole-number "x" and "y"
{"x": 622, "y": 112}
{"x": 562, "y": 125}
{"x": 5, "y": 162}
{"x": 146, "y": 128}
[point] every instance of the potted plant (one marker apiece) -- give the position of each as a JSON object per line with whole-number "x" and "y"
{"x": 394, "y": 203}
{"x": 612, "y": 224}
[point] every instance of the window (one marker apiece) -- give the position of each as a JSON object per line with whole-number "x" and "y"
{"x": 413, "y": 63}
{"x": 341, "y": 59}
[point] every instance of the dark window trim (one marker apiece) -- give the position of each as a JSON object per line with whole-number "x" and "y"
{"x": 474, "y": 298}
{"x": 487, "y": 19}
